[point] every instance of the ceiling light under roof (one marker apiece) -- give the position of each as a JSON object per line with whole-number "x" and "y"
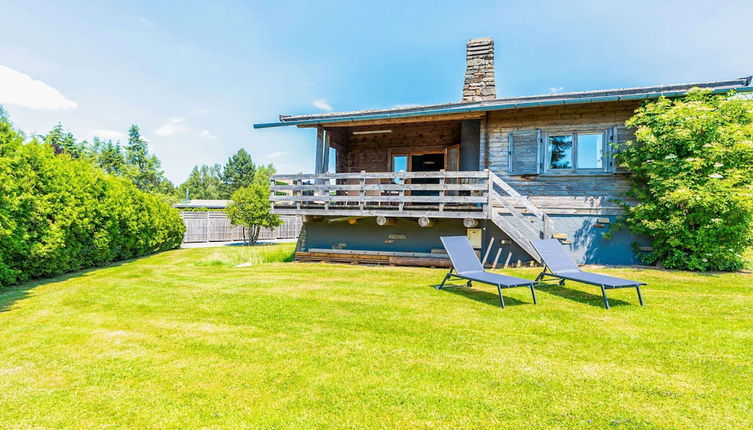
{"x": 372, "y": 132}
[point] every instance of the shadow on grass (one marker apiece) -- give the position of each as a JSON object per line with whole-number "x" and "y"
{"x": 581, "y": 296}
{"x": 15, "y": 293}
{"x": 482, "y": 296}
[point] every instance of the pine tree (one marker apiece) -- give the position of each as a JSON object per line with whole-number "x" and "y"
{"x": 203, "y": 183}
{"x": 64, "y": 142}
{"x": 239, "y": 172}
{"x": 142, "y": 167}
{"x": 110, "y": 157}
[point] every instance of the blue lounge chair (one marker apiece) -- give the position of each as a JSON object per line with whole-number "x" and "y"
{"x": 466, "y": 265}
{"x": 562, "y": 266}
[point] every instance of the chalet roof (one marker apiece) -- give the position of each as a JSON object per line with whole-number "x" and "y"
{"x": 638, "y": 93}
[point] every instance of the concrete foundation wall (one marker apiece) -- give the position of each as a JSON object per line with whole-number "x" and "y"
{"x": 366, "y": 235}
{"x": 584, "y": 231}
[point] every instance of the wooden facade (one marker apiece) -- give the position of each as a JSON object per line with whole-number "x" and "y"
{"x": 517, "y": 169}
{"x": 512, "y": 193}
{"x": 565, "y": 194}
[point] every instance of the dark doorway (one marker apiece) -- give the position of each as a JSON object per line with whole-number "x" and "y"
{"x": 426, "y": 163}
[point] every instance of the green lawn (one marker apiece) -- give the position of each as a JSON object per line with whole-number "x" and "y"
{"x": 185, "y": 339}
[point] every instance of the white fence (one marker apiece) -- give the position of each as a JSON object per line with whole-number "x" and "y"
{"x": 214, "y": 226}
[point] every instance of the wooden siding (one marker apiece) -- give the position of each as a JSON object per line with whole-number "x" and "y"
{"x": 561, "y": 193}
{"x": 371, "y": 152}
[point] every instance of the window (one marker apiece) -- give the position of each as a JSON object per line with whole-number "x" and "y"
{"x": 399, "y": 164}
{"x": 590, "y": 151}
{"x": 332, "y": 162}
{"x": 575, "y": 152}
{"x": 561, "y": 152}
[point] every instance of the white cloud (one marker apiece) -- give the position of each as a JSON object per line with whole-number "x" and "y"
{"x": 172, "y": 127}
{"x": 276, "y": 154}
{"x": 177, "y": 125}
{"x": 107, "y": 134}
{"x": 207, "y": 135}
{"x": 20, "y": 89}
{"x": 322, "y": 104}
{"x": 146, "y": 21}
{"x": 555, "y": 90}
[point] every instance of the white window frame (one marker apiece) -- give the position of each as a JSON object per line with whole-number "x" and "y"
{"x": 605, "y": 152}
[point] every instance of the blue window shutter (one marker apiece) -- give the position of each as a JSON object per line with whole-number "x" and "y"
{"x": 618, "y": 134}
{"x": 524, "y": 152}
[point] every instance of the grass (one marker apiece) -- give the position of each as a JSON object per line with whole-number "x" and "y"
{"x": 186, "y": 339}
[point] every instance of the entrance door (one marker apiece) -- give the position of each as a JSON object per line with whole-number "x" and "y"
{"x": 431, "y": 162}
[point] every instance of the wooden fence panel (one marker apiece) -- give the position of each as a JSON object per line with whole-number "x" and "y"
{"x": 215, "y": 226}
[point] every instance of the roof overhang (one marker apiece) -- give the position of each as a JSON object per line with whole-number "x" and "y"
{"x": 457, "y": 109}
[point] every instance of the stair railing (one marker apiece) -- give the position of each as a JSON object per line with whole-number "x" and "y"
{"x": 512, "y": 201}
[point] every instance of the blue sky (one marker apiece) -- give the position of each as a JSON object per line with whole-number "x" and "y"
{"x": 196, "y": 75}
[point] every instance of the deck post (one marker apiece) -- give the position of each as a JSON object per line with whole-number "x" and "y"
{"x": 442, "y": 193}
{"x": 489, "y": 193}
{"x": 318, "y": 168}
{"x": 362, "y": 192}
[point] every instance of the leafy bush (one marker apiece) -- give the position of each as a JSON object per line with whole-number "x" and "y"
{"x": 692, "y": 169}
{"x": 59, "y": 213}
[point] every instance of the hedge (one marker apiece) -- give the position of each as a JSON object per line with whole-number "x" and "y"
{"x": 59, "y": 214}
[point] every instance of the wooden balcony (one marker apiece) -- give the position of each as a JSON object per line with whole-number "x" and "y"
{"x": 438, "y": 194}
{"x": 422, "y": 195}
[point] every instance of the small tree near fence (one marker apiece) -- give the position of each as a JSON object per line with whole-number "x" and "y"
{"x": 251, "y": 209}
{"x": 691, "y": 166}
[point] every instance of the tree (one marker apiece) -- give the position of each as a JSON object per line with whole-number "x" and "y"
{"x": 263, "y": 174}
{"x": 63, "y": 141}
{"x": 109, "y": 156}
{"x": 239, "y": 171}
{"x": 203, "y": 183}
{"x": 691, "y": 166}
{"x": 143, "y": 168}
{"x": 251, "y": 209}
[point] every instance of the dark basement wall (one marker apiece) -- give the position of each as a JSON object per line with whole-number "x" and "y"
{"x": 366, "y": 235}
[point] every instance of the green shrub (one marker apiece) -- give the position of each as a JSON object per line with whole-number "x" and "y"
{"x": 59, "y": 214}
{"x": 251, "y": 208}
{"x": 691, "y": 168}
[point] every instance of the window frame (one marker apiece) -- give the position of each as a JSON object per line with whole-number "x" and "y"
{"x": 605, "y": 154}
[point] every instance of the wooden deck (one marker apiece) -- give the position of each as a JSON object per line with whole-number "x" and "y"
{"x": 405, "y": 194}
{"x": 469, "y": 195}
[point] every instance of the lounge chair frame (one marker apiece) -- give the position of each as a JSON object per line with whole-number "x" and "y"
{"x": 475, "y": 276}
{"x": 573, "y": 276}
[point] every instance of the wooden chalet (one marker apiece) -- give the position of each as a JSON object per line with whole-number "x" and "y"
{"x": 388, "y": 183}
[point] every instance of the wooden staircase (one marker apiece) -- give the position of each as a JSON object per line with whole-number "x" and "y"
{"x": 521, "y": 227}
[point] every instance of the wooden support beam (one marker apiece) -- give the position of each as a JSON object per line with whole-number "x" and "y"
{"x": 488, "y": 250}
{"x": 496, "y": 259}
{"x": 425, "y": 222}
{"x": 383, "y": 220}
{"x": 348, "y": 219}
{"x": 325, "y": 153}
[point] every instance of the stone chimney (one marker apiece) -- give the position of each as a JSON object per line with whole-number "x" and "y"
{"x": 479, "y": 70}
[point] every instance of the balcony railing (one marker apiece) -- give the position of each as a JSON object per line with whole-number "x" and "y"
{"x": 440, "y": 194}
